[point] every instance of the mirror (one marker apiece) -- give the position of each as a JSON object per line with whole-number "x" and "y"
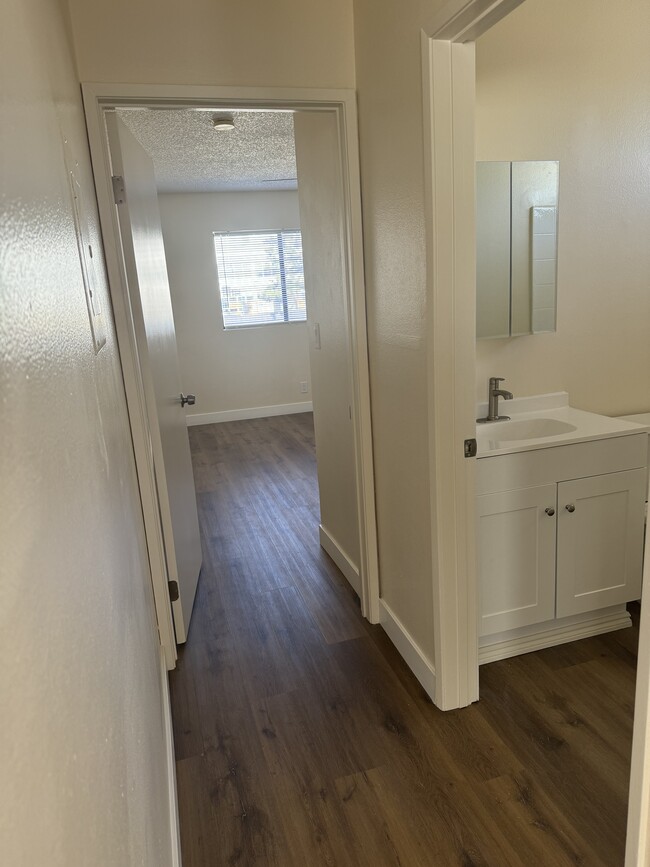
{"x": 516, "y": 247}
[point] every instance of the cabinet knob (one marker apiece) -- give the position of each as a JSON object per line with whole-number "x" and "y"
{"x": 550, "y": 512}
{"x": 570, "y": 508}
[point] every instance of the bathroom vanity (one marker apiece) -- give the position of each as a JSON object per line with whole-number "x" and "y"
{"x": 561, "y": 497}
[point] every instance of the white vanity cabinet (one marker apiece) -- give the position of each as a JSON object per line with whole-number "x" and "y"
{"x": 600, "y": 541}
{"x": 559, "y": 542}
{"x": 516, "y": 546}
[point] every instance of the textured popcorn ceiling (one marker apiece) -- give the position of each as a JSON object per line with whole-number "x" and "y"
{"x": 189, "y": 155}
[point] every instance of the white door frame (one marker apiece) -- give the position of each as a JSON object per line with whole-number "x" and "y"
{"x": 449, "y": 107}
{"x": 99, "y": 98}
{"x": 448, "y": 87}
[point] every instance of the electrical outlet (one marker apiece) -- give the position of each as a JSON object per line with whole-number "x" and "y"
{"x": 304, "y": 388}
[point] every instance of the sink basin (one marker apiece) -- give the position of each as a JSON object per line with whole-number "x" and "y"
{"x": 527, "y": 429}
{"x": 544, "y": 421}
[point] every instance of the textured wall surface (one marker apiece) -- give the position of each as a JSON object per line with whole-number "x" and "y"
{"x": 389, "y": 82}
{"x": 82, "y": 751}
{"x": 287, "y": 43}
{"x": 578, "y": 93}
{"x": 248, "y": 367}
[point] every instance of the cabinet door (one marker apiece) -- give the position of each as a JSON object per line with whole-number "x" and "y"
{"x": 516, "y": 558}
{"x": 600, "y": 541}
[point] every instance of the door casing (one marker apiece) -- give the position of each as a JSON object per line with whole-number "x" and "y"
{"x": 100, "y": 98}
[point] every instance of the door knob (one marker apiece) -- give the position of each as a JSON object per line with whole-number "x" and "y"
{"x": 570, "y": 508}
{"x": 189, "y": 399}
{"x": 550, "y": 511}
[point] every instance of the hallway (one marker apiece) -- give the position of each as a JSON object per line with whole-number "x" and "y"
{"x": 303, "y": 739}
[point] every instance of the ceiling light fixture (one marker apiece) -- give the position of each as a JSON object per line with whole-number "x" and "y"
{"x": 223, "y": 121}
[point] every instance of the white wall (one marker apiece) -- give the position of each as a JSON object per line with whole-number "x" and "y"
{"x": 311, "y": 44}
{"x": 602, "y": 356}
{"x": 237, "y": 369}
{"x": 569, "y": 81}
{"x": 389, "y": 83}
{"x": 323, "y": 218}
{"x": 82, "y": 750}
{"x": 286, "y": 43}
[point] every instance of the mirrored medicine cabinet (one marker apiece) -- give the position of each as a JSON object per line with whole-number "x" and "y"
{"x": 516, "y": 247}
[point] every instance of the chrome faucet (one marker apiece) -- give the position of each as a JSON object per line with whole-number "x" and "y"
{"x": 494, "y": 393}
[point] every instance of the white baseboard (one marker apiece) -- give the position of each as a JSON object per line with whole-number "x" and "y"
{"x": 409, "y": 650}
{"x": 251, "y": 412}
{"x": 531, "y": 638}
{"x": 174, "y": 828}
{"x": 329, "y": 544}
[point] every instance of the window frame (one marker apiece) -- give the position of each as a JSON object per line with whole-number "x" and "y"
{"x": 282, "y": 273}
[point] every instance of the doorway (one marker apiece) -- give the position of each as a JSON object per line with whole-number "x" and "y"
{"x": 449, "y": 55}
{"x": 338, "y": 107}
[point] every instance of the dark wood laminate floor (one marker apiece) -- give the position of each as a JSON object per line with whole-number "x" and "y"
{"x": 302, "y": 738}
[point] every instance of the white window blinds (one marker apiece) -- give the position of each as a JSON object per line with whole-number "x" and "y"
{"x": 261, "y": 277}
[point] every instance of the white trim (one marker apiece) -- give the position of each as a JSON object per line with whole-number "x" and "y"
{"x": 252, "y": 412}
{"x": 180, "y": 95}
{"x": 174, "y": 825}
{"x": 408, "y": 648}
{"x": 361, "y": 415}
{"x": 99, "y": 97}
{"x": 329, "y": 544}
{"x": 538, "y": 637}
{"x": 448, "y": 88}
{"x": 466, "y": 20}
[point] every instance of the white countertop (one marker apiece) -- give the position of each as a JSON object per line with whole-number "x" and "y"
{"x": 588, "y": 425}
{"x": 639, "y": 417}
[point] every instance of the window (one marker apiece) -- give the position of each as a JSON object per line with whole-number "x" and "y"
{"x": 261, "y": 279}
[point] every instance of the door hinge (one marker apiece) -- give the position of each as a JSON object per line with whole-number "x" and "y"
{"x": 118, "y": 189}
{"x": 173, "y": 591}
{"x": 471, "y": 448}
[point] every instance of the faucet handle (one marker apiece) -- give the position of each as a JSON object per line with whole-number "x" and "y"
{"x": 495, "y": 380}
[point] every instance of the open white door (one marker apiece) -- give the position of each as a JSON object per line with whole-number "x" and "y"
{"x": 153, "y": 320}
{"x": 322, "y": 225}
